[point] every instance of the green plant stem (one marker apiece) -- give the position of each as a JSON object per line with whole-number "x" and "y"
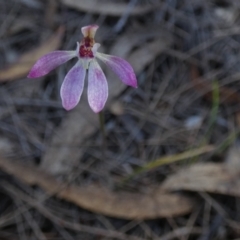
{"x": 214, "y": 110}
{"x": 102, "y": 129}
{"x": 213, "y": 117}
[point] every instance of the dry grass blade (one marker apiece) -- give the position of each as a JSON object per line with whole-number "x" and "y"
{"x": 26, "y": 61}
{"x": 97, "y": 199}
{"x": 181, "y": 232}
{"x": 171, "y": 159}
{"x": 106, "y": 7}
{"x": 180, "y": 156}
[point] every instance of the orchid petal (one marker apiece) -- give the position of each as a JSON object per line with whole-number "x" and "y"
{"x": 89, "y": 31}
{"x": 121, "y": 68}
{"x": 50, "y": 61}
{"x": 97, "y": 87}
{"x": 72, "y": 87}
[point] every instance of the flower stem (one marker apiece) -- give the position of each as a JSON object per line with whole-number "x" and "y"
{"x": 102, "y": 128}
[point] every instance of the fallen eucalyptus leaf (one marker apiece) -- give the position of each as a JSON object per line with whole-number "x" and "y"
{"x": 106, "y": 7}
{"x": 154, "y": 204}
{"x": 205, "y": 177}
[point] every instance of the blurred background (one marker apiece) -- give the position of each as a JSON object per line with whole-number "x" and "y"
{"x": 168, "y": 164}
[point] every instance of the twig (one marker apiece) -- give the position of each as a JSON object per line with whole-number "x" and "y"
{"x": 122, "y": 21}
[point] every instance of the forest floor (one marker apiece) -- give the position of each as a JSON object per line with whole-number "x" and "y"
{"x": 167, "y": 164}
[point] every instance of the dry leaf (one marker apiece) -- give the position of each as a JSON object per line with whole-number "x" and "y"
{"x": 26, "y": 61}
{"x": 227, "y": 95}
{"x": 232, "y": 161}
{"x": 64, "y": 149}
{"x": 106, "y": 7}
{"x": 98, "y": 199}
{"x": 209, "y": 177}
{"x": 50, "y": 12}
{"x": 19, "y": 25}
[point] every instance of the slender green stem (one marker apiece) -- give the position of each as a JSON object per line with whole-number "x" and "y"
{"x": 214, "y": 110}
{"x": 213, "y": 117}
{"x": 102, "y": 128}
{"x": 101, "y": 122}
{"x": 168, "y": 160}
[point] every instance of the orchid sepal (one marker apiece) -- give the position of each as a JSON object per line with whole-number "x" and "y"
{"x": 50, "y": 61}
{"x": 97, "y": 87}
{"x": 72, "y": 86}
{"x": 120, "y": 67}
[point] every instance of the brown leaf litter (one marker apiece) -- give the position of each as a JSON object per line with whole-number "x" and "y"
{"x": 155, "y": 204}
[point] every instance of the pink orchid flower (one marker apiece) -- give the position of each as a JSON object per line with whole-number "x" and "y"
{"x": 73, "y": 84}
